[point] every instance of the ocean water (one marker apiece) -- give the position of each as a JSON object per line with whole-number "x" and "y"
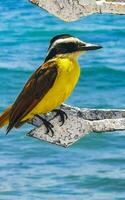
{"x": 94, "y": 167}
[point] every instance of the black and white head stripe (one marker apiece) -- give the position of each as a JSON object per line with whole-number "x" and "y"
{"x": 62, "y": 40}
{"x": 57, "y": 37}
{"x": 64, "y": 44}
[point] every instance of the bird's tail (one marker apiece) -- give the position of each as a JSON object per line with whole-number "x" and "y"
{"x": 4, "y": 117}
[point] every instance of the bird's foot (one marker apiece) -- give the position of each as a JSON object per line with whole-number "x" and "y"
{"x": 47, "y": 124}
{"x": 62, "y": 114}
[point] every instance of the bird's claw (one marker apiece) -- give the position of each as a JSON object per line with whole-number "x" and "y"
{"x": 47, "y": 124}
{"x": 62, "y": 114}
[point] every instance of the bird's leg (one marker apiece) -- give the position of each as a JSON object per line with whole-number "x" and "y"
{"x": 47, "y": 124}
{"x": 62, "y": 114}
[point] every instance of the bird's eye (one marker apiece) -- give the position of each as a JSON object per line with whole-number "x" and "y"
{"x": 82, "y": 44}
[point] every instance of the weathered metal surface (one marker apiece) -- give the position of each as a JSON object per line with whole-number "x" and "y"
{"x": 74, "y": 9}
{"x": 79, "y": 123}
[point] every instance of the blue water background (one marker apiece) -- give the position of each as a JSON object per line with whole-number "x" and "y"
{"x": 93, "y": 168}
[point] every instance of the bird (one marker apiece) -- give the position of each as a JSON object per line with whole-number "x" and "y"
{"x": 50, "y": 85}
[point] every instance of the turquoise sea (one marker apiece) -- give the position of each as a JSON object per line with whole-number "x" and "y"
{"x": 93, "y": 168}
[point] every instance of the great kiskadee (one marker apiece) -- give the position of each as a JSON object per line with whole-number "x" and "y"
{"x": 50, "y": 85}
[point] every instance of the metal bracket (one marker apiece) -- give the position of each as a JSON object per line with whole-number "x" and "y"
{"x": 79, "y": 123}
{"x": 74, "y": 9}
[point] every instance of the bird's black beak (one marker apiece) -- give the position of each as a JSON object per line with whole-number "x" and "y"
{"x": 89, "y": 46}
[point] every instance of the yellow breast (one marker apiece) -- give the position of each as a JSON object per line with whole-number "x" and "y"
{"x": 68, "y": 75}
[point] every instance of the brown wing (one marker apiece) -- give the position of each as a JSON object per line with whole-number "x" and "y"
{"x": 34, "y": 90}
